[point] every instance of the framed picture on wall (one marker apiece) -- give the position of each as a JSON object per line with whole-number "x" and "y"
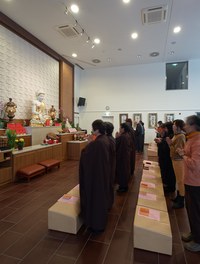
{"x": 169, "y": 117}
{"x": 137, "y": 117}
{"x": 122, "y": 118}
{"x": 152, "y": 120}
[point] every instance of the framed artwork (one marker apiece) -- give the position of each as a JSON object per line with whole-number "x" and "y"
{"x": 152, "y": 120}
{"x": 122, "y": 118}
{"x": 137, "y": 117}
{"x": 169, "y": 117}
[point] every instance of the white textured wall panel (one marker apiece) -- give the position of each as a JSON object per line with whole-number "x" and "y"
{"x": 24, "y": 70}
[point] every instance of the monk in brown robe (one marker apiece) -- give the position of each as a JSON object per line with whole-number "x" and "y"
{"x": 94, "y": 173}
{"x": 133, "y": 145}
{"x": 123, "y": 150}
{"x": 112, "y": 153}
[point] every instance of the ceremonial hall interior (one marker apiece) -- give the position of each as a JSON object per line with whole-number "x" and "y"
{"x": 110, "y": 60}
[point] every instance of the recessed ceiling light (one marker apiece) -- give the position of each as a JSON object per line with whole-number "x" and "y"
{"x": 134, "y": 35}
{"x": 171, "y": 52}
{"x": 96, "y": 40}
{"x": 154, "y": 54}
{"x": 74, "y": 8}
{"x": 177, "y": 29}
{"x": 126, "y": 1}
{"x": 74, "y": 55}
{"x": 96, "y": 61}
{"x": 139, "y": 56}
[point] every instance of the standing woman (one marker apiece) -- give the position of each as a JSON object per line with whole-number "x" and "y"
{"x": 164, "y": 159}
{"x": 123, "y": 150}
{"x": 178, "y": 141}
{"x": 133, "y": 146}
{"x": 112, "y": 156}
{"x": 94, "y": 179}
{"x": 191, "y": 157}
{"x": 143, "y": 136}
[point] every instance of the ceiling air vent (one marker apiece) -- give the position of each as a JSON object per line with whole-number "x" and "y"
{"x": 68, "y": 31}
{"x": 154, "y": 14}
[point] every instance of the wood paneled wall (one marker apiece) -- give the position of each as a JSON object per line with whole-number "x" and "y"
{"x": 67, "y": 89}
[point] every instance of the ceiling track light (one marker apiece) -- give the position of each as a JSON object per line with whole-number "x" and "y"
{"x": 82, "y": 32}
{"x": 66, "y": 11}
{"x": 79, "y": 27}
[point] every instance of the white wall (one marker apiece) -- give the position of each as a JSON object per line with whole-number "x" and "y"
{"x": 24, "y": 70}
{"x": 136, "y": 89}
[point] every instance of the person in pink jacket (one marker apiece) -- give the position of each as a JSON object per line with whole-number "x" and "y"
{"x": 191, "y": 157}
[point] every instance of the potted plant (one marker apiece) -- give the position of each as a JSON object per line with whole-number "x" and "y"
{"x": 11, "y": 135}
{"x": 19, "y": 143}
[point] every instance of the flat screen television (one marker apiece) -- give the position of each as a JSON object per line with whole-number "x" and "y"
{"x": 177, "y": 75}
{"x": 81, "y": 101}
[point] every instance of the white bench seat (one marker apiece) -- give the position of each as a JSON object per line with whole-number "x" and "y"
{"x": 64, "y": 216}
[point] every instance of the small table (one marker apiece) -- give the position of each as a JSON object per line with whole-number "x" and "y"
{"x": 74, "y": 149}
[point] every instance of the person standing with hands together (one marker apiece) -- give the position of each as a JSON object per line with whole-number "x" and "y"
{"x": 191, "y": 158}
{"x": 178, "y": 141}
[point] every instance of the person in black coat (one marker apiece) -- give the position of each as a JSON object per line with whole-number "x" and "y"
{"x": 139, "y": 137}
{"x": 123, "y": 150}
{"x": 94, "y": 179}
{"x": 133, "y": 146}
{"x": 109, "y": 131}
{"x": 164, "y": 159}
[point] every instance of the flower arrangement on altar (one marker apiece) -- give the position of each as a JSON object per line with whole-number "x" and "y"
{"x": 19, "y": 143}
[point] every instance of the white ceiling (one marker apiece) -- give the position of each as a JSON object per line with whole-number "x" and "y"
{"x": 113, "y": 22}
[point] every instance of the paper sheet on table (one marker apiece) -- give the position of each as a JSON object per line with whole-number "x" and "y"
{"x": 68, "y": 199}
{"x": 146, "y": 165}
{"x": 146, "y": 174}
{"x": 149, "y": 213}
{"x": 148, "y": 196}
{"x": 145, "y": 184}
{"x": 76, "y": 187}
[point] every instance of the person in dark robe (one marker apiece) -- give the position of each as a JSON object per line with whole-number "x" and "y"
{"x": 164, "y": 159}
{"x": 123, "y": 150}
{"x": 139, "y": 137}
{"x": 142, "y": 137}
{"x": 109, "y": 131}
{"x": 158, "y": 128}
{"x": 133, "y": 146}
{"x": 94, "y": 175}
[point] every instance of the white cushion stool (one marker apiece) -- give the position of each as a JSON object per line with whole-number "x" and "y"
{"x": 65, "y": 217}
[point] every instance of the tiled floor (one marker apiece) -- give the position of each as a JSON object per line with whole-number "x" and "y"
{"x": 25, "y": 238}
